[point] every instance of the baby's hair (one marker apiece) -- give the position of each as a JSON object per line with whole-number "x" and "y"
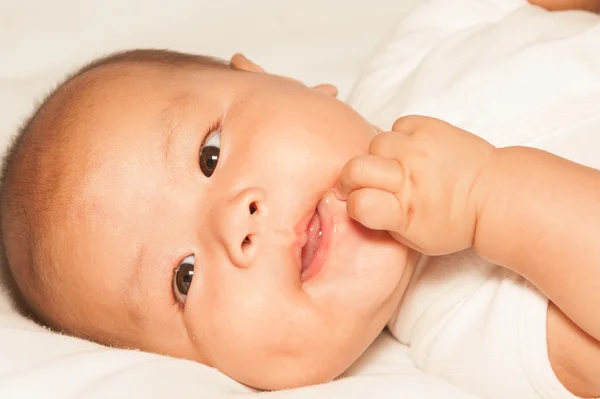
{"x": 17, "y": 186}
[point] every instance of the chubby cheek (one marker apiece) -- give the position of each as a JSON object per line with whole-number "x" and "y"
{"x": 337, "y": 137}
{"x": 310, "y": 138}
{"x": 375, "y": 261}
{"x": 251, "y": 336}
{"x": 268, "y": 336}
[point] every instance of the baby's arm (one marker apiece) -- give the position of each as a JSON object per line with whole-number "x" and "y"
{"x": 588, "y": 5}
{"x": 541, "y": 218}
{"x": 439, "y": 189}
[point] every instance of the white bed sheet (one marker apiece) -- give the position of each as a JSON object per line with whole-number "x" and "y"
{"x": 313, "y": 40}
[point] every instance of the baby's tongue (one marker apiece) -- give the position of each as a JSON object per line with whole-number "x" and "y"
{"x": 314, "y": 234}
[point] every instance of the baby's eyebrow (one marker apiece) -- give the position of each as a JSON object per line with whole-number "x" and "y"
{"x": 170, "y": 121}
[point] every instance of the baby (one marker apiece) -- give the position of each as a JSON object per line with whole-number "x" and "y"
{"x": 305, "y": 224}
{"x": 181, "y": 205}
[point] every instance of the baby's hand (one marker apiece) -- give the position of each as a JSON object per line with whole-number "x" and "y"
{"x": 419, "y": 182}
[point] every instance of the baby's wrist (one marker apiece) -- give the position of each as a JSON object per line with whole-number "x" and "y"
{"x": 485, "y": 182}
{"x": 500, "y": 189}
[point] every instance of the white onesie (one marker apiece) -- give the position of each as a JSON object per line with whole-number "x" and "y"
{"x": 514, "y": 74}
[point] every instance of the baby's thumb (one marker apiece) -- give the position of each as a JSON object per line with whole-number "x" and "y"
{"x": 376, "y": 209}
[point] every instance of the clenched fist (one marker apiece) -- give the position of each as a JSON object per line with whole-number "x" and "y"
{"x": 421, "y": 183}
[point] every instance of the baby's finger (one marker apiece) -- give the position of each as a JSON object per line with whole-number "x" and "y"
{"x": 390, "y": 145}
{"x": 411, "y": 123}
{"x": 369, "y": 171}
{"x": 375, "y": 209}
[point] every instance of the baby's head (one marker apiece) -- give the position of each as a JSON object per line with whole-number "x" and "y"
{"x": 182, "y": 205}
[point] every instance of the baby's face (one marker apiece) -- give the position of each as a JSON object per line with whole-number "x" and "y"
{"x": 229, "y": 174}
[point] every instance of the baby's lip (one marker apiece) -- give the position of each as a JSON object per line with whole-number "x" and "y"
{"x": 326, "y": 227}
{"x": 302, "y": 235}
{"x": 320, "y": 239}
{"x": 313, "y": 234}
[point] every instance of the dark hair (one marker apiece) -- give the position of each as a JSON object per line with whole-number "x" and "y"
{"x": 20, "y": 146}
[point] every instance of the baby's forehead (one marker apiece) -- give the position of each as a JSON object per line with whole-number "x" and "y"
{"x": 104, "y": 144}
{"x": 117, "y": 102}
{"x": 122, "y": 82}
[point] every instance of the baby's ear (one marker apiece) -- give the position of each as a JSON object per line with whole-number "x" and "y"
{"x": 326, "y": 88}
{"x": 239, "y": 61}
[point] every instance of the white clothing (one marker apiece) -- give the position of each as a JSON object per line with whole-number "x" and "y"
{"x": 479, "y": 326}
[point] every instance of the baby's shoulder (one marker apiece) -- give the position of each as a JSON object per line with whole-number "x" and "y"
{"x": 462, "y": 312}
{"x": 460, "y": 289}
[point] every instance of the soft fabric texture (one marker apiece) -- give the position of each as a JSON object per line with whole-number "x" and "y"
{"x": 419, "y": 69}
{"x": 516, "y": 75}
{"x": 479, "y": 326}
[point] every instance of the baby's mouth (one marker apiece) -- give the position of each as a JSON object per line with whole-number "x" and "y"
{"x": 313, "y": 236}
{"x": 317, "y": 240}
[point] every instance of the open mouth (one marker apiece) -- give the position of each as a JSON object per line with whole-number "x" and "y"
{"x": 313, "y": 236}
{"x": 317, "y": 240}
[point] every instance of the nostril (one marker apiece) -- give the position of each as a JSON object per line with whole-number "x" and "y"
{"x": 247, "y": 241}
{"x": 253, "y": 207}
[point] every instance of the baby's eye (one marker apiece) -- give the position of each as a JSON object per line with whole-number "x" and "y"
{"x": 209, "y": 155}
{"x": 182, "y": 278}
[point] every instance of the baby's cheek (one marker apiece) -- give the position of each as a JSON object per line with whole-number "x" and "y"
{"x": 250, "y": 337}
{"x": 233, "y": 316}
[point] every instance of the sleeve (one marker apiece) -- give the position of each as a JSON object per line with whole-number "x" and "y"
{"x": 534, "y": 348}
{"x": 480, "y": 327}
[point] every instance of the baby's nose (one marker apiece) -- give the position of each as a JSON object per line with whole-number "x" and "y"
{"x": 238, "y": 223}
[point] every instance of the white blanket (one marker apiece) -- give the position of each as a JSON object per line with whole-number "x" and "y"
{"x": 456, "y": 82}
{"x": 37, "y": 364}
